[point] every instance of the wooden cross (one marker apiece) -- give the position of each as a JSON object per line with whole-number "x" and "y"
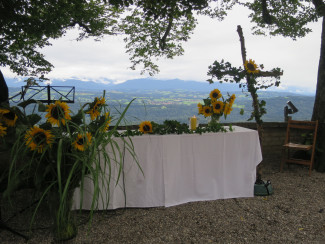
{"x": 250, "y": 80}
{"x": 222, "y": 70}
{"x": 252, "y": 90}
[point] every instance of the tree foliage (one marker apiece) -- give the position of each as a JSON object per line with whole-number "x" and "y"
{"x": 152, "y": 29}
{"x": 27, "y": 26}
{"x": 285, "y": 18}
{"x": 149, "y": 38}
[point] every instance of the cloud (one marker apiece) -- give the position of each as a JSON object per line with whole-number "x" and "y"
{"x": 212, "y": 40}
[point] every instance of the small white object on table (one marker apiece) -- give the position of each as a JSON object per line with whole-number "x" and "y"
{"x": 183, "y": 168}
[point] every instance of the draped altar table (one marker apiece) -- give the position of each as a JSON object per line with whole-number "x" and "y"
{"x": 183, "y": 168}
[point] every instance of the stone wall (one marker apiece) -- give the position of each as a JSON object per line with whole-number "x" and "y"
{"x": 273, "y": 138}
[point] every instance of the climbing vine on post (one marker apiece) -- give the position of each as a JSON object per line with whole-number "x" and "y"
{"x": 250, "y": 77}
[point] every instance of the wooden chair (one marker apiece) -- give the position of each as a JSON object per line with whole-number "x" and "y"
{"x": 300, "y": 137}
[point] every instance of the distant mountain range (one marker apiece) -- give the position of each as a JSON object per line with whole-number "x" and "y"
{"x": 149, "y": 84}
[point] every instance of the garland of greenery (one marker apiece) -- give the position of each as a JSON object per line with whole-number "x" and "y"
{"x": 173, "y": 127}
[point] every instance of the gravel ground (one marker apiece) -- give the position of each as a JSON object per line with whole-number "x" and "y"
{"x": 295, "y": 213}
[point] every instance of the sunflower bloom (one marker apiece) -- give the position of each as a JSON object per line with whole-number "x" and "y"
{"x": 145, "y": 127}
{"x": 3, "y": 131}
{"x": 200, "y": 108}
{"x": 228, "y": 109}
{"x": 207, "y": 111}
{"x": 251, "y": 67}
{"x": 232, "y": 99}
{"x": 217, "y": 107}
{"x": 8, "y": 117}
{"x": 215, "y": 94}
{"x": 58, "y": 113}
{"x": 82, "y": 141}
{"x": 108, "y": 120}
{"x": 37, "y": 139}
{"x": 94, "y": 110}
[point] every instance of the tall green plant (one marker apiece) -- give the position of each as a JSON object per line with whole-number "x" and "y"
{"x": 56, "y": 156}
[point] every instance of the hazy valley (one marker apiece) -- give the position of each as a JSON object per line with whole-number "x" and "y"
{"x": 173, "y": 100}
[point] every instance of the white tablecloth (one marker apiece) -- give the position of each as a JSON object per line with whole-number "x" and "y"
{"x": 183, "y": 168}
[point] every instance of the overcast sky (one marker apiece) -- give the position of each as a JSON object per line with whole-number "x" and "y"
{"x": 212, "y": 40}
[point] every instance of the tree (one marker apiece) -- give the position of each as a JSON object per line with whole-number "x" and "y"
{"x": 152, "y": 28}
{"x": 3, "y": 89}
{"x": 290, "y": 19}
{"x": 158, "y": 28}
{"x": 27, "y": 26}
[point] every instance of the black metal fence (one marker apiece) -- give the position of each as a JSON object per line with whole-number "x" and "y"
{"x": 49, "y": 94}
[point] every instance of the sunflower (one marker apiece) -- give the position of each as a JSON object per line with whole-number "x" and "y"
{"x": 8, "y": 117}
{"x": 228, "y": 109}
{"x": 108, "y": 120}
{"x": 200, "y": 108}
{"x": 94, "y": 112}
{"x": 251, "y": 67}
{"x": 3, "y": 131}
{"x": 207, "y": 111}
{"x": 58, "y": 113}
{"x": 215, "y": 94}
{"x": 145, "y": 127}
{"x": 82, "y": 141}
{"x": 232, "y": 99}
{"x": 217, "y": 107}
{"x": 37, "y": 138}
{"x": 95, "y": 106}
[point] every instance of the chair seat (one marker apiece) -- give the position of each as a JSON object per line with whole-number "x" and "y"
{"x": 298, "y": 146}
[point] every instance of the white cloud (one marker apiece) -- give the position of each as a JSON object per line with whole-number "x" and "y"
{"x": 212, "y": 40}
{"x": 219, "y": 40}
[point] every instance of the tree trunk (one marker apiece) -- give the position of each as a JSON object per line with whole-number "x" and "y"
{"x": 319, "y": 105}
{"x": 4, "y": 93}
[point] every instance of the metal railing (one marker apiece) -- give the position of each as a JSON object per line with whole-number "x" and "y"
{"x": 50, "y": 91}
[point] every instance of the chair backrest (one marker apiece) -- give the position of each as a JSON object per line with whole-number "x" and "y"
{"x": 302, "y": 132}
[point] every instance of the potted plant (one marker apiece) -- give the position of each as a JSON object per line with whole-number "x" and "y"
{"x": 216, "y": 106}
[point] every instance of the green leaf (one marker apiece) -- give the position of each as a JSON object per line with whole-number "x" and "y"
{"x": 24, "y": 104}
{"x": 33, "y": 118}
{"x": 46, "y": 126}
{"x": 41, "y": 107}
{"x": 77, "y": 119}
{"x": 210, "y": 81}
